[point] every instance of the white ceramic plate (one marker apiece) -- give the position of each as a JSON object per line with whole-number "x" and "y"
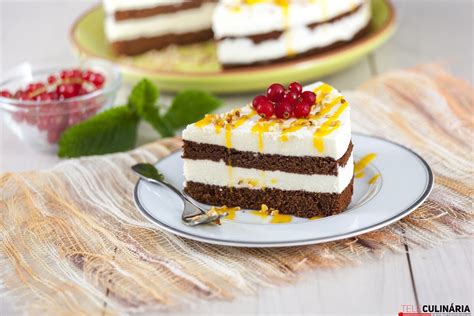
{"x": 405, "y": 181}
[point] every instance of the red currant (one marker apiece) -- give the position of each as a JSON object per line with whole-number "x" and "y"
{"x": 87, "y": 74}
{"x": 258, "y": 100}
{"x": 52, "y": 79}
{"x": 66, "y": 91}
{"x": 53, "y": 95}
{"x": 31, "y": 117}
{"x": 81, "y": 91}
{"x": 43, "y": 122}
{"x": 275, "y": 92}
{"x": 290, "y": 96}
{"x": 265, "y": 109}
{"x": 295, "y": 87}
{"x": 5, "y": 94}
{"x": 302, "y": 109}
{"x": 97, "y": 79}
{"x": 43, "y": 97}
{"x": 18, "y": 94}
{"x": 31, "y": 87}
{"x": 76, "y": 73}
{"x": 65, "y": 74}
{"x": 22, "y": 95}
{"x": 283, "y": 109}
{"x": 260, "y": 103}
{"x": 309, "y": 97}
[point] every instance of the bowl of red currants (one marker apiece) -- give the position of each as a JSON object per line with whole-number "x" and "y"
{"x": 39, "y": 103}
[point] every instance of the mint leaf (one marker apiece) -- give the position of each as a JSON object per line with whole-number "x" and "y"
{"x": 111, "y": 131}
{"x": 153, "y": 117}
{"x": 149, "y": 171}
{"x": 189, "y": 106}
{"x": 142, "y": 100}
{"x": 143, "y": 96}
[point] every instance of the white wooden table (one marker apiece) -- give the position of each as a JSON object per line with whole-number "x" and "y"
{"x": 429, "y": 30}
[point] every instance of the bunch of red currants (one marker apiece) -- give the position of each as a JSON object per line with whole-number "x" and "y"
{"x": 54, "y": 105}
{"x": 284, "y": 103}
{"x": 69, "y": 84}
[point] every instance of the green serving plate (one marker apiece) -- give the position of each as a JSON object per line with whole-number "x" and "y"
{"x": 196, "y": 66}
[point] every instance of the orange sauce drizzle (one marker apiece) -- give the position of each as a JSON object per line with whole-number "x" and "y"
{"x": 321, "y": 91}
{"x": 230, "y": 210}
{"x": 294, "y": 126}
{"x": 331, "y": 124}
{"x": 258, "y": 213}
{"x": 230, "y": 126}
{"x": 208, "y": 119}
{"x": 228, "y": 136}
{"x": 264, "y": 212}
{"x": 281, "y": 219}
{"x": 374, "y": 178}
{"x": 362, "y": 164}
{"x": 260, "y": 128}
{"x": 288, "y": 33}
{"x": 327, "y": 108}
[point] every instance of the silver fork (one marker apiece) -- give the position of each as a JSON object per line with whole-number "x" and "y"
{"x": 192, "y": 214}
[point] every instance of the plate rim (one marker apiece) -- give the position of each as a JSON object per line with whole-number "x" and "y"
{"x": 387, "y": 28}
{"x": 216, "y": 241}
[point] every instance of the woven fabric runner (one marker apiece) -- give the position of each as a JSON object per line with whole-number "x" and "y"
{"x": 72, "y": 241}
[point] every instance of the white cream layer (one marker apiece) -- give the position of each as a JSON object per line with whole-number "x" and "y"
{"x": 111, "y": 6}
{"x": 185, "y": 21}
{"x": 297, "y": 40}
{"x": 299, "y": 143}
{"x": 233, "y": 18}
{"x": 218, "y": 173}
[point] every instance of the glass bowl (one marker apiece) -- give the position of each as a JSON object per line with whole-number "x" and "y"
{"x": 41, "y": 123}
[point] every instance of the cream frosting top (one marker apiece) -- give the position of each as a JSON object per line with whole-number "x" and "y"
{"x": 326, "y": 133}
{"x": 249, "y": 17}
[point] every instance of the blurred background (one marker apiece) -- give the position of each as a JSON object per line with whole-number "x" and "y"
{"x": 428, "y": 30}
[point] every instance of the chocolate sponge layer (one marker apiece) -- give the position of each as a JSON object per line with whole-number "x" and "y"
{"x": 246, "y": 159}
{"x": 143, "y": 44}
{"x": 298, "y": 203}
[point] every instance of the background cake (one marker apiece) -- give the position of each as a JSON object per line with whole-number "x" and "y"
{"x": 246, "y": 31}
{"x": 299, "y": 165}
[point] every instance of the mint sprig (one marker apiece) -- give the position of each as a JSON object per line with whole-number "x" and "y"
{"x": 116, "y": 129}
{"x": 190, "y": 105}
{"x": 143, "y": 100}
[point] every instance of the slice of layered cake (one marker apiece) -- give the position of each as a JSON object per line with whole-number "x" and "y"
{"x": 290, "y": 150}
{"x": 260, "y": 31}
{"x": 136, "y": 26}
